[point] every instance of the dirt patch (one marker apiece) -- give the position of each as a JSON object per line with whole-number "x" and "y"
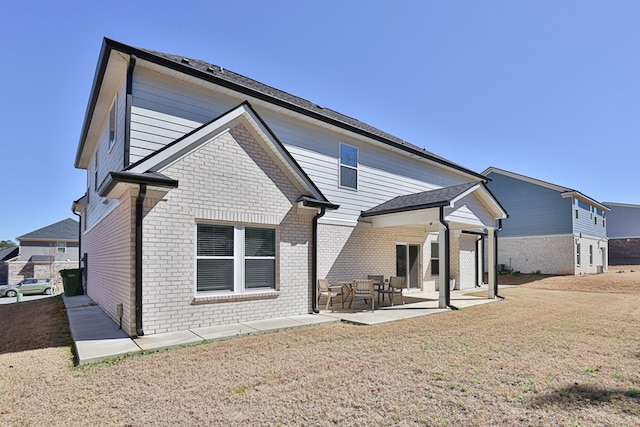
{"x": 533, "y": 359}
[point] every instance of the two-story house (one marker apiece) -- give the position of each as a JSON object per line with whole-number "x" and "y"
{"x": 213, "y": 198}
{"x": 551, "y": 228}
{"x": 42, "y": 253}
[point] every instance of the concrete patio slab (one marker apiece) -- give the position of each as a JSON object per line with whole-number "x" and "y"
{"x": 167, "y": 340}
{"x": 223, "y": 331}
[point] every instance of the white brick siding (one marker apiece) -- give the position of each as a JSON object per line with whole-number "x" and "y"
{"x": 111, "y": 261}
{"x": 229, "y": 179}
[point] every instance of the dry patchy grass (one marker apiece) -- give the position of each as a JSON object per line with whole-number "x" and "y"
{"x": 541, "y": 357}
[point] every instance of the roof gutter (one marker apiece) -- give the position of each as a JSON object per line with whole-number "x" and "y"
{"x": 138, "y": 258}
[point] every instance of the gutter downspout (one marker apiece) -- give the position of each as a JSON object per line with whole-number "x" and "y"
{"x": 138, "y": 299}
{"x": 495, "y": 247}
{"x": 127, "y": 116}
{"x": 314, "y": 262}
{"x": 447, "y": 262}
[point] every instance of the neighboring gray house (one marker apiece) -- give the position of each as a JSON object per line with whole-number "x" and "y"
{"x": 623, "y": 231}
{"x": 213, "y": 199}
{"x": 551, "y": 229}
{"x": 46, "y": 251}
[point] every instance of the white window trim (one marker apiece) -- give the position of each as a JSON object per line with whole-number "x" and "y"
{"x": 238, "y": 258}
{"x": 64, "y": 247}
{"x": 341, "y": 165}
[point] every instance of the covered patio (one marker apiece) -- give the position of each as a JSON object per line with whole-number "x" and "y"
{"x": 468, "y": 208}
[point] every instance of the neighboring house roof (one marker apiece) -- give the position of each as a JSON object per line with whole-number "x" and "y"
{"x": 249, "y": 87}
{"x": 65, "y": 230}
{"x": 564, "y": 191}
{"x": 441, "y": 197}
{"x": 9, "y": 253}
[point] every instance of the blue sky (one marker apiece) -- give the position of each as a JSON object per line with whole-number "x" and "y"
{"x": 545, "y": 88}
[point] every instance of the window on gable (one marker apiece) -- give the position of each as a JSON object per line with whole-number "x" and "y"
{"x": 235, "y": 258}
{"x": 112, "y": 125}
{"x": 435, "y": 259}
{"x": 348, "y": 166}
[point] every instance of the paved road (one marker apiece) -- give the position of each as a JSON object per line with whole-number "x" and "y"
{"x": 7, "y": 300}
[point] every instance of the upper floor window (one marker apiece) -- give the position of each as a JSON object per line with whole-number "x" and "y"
{"x": 62, "y": 247}
{"x": 577, "y": 213}
{"x": 112, "y": 125}
{"x": 235, "y": 258}
{"x": 348, "y": 166}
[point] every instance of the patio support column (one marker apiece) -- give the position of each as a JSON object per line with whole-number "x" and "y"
{"x": 492, "y": 266}
{"x": 443, "y": 286}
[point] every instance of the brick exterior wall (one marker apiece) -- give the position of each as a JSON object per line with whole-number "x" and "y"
{"x": 624, "y": 251}
{"x": 551, "y": 254}
{"x": 233, "y": 180}
{"x": 18, "y": 270}
{"x": 110, "y": 269}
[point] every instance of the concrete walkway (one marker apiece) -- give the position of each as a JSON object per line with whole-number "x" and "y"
{"x": 96, "y": 337}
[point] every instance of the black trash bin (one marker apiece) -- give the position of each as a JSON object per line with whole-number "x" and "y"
{"x": 72, "y": 281}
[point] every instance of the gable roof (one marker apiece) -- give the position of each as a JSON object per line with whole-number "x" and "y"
{"x": 65, "y": 230}
{"x": 249, "y": 87}
{"x": 242, "y": 114}
{"x": 565, "y": 192}
{"x": 441, "y": 197}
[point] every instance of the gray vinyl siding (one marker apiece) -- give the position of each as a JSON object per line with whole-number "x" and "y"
{"x": 108, "y": 160}
{"x": 589, "y": 221}
{"x": 164, "y": 109}
{"x": 623, "y": 222}
{"x": 533, "y": 210}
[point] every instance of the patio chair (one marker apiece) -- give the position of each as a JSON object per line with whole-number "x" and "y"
{"x": 325, "y": 289}
{"x": 396, "y": 285}
{"x": 365, "y": 289}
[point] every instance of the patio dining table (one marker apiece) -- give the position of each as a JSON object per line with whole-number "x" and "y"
{"x": 347, "y": 286}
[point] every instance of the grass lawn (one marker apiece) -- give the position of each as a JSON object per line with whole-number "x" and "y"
{"x": 557, "y": 351}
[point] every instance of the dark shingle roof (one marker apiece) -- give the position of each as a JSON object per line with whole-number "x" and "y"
{"x": 237, "y": 82}
{"x": 424, "y": 200}
{"x": 8, "y": 253}
{"x": 65, "y": 230}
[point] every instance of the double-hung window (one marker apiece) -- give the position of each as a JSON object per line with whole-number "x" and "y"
{"x": 348, "y": 166}
{"x": 435, "y": 258}
{"x": 62, "y": 247}
{"x": 235, "y": 258}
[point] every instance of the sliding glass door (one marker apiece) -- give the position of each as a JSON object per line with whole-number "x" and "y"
{"x": 408, "y": 264}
